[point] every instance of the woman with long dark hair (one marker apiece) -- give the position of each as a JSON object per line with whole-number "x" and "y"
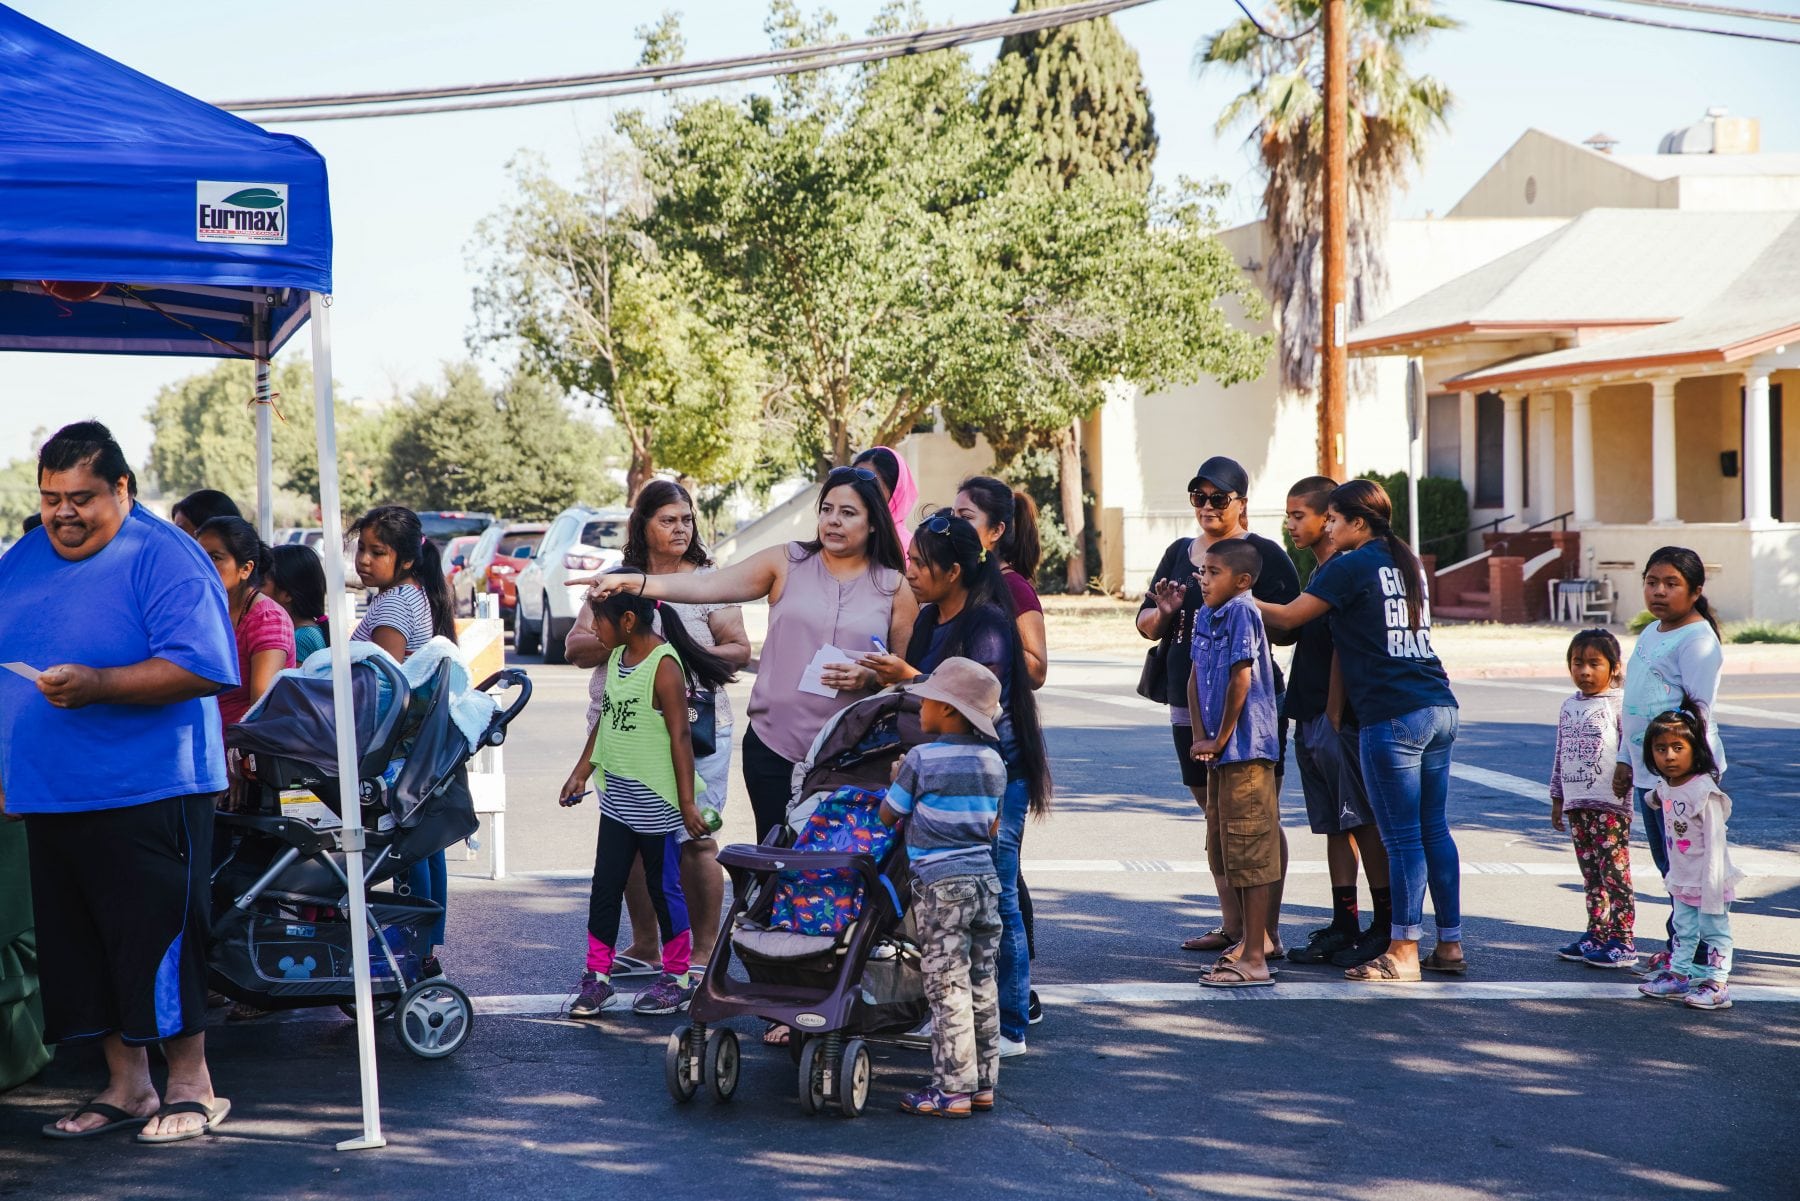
{"x": 841, "y": 590}
{"x": 1373, "y": 586}
{"x": 965, "y": 610}
{"x": 265, "y": 635}
{"x": 1006, "y": 522}
{"x": 661, "y": 540}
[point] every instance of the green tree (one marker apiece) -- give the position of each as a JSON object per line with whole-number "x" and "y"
{"x": 18, "y": 495}
{"x": 889, "y": 257}
{"x": 517, "y": 452}
{"x": 575, "y": 284}
{"x": 1075, "y": 96}
{"x": 204, "y": 436}
{"x": 1393, "y": 113}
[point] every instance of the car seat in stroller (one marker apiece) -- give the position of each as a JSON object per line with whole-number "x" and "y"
{"x": 816, "y": 923}
{"x": 282, "y": 937}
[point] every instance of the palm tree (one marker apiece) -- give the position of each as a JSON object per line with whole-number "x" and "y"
{"x": 1392, "y": 115}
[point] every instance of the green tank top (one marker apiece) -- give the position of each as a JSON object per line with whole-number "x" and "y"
{"x": 633, "y": 739}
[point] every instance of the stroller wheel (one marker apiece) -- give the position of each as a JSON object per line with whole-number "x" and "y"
{"x": 812, "y": 1075}
{"x": 722, "y": 1062}
{"x": 853, "y": 1078}
{"x": 678, "y": 1067}
{"x": 384, "y": 1008}
{"x": 435, "y": 1018}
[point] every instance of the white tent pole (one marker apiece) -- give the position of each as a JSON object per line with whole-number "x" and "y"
{"x": 265, "y": 432}
{"x": 344, "y": 714}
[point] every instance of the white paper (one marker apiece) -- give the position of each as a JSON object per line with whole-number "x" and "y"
{"x": 812, "y": 679}
{"x": 23, "y": 669}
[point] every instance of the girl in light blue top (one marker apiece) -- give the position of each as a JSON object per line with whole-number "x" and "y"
{"x": 1675, "y": 665}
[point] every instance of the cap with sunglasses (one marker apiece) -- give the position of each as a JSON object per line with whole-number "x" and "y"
{"x": 1227, "y": 475}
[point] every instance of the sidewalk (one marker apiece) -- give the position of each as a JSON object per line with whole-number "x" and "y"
{"x": 1104, "y": 627}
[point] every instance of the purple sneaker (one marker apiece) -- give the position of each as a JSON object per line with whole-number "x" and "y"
{"x": 935, "y": 1103}
{"x": 1580, "y": 949}
{"x": 1708, "y": 994}
{"x": 597, "y": 995}
{"x": 1612, "y": 953}
{"x": 1665, "y": 986}
{"x": 667, "y": 995}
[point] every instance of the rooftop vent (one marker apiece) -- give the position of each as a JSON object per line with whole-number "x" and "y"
{"x": 1716, "y": 133}
{"x": 1603, "y": 142}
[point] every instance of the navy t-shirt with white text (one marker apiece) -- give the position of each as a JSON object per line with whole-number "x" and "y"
{"x": 1389, "y": 668}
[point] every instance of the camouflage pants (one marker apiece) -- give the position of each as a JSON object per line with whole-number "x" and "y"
{"x": 959, "y": 939}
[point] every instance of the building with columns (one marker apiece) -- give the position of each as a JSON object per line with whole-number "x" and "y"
{"x": 1634, "y": 376}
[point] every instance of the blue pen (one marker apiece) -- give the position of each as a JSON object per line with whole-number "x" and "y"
{"x": 880, "y": 646}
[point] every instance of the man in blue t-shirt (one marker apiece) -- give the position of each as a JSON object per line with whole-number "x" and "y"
{"x": 116, "y": 635}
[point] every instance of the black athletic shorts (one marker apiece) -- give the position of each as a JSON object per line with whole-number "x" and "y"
{"x": 121, "y": 899}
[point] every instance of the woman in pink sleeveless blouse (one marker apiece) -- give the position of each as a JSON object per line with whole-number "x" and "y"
{"x": 842, "y": 589}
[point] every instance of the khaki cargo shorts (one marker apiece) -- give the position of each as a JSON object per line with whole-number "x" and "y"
{"x": 1243, "y": 823}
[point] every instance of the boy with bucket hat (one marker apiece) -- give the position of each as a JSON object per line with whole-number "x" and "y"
{"x": 948, "y": 791}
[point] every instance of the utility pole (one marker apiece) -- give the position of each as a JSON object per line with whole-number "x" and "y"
{"x": 1333, "y": 315}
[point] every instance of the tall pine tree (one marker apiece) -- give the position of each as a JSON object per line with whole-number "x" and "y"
{"x": 1076, "y": 92}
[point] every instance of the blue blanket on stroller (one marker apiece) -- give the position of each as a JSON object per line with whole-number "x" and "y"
{"x": 825, "y": 902}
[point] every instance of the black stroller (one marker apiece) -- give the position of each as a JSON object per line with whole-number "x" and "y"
{"x": 281, "y": 928}
{"x": 818, "y": 932}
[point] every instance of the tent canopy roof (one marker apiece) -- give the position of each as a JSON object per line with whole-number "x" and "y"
{"x": 198, "y": 221}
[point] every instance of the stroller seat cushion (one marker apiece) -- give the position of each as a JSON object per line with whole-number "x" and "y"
{"x": 785, "y": 945}
{"x": 816, "y": 902}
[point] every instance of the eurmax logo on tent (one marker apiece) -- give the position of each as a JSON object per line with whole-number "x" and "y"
{"x": 241, "y": 212}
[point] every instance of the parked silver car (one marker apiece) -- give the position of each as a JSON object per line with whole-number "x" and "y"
{"x": 580, "y": 542}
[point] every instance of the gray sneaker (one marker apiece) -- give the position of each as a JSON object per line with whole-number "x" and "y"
{"x": 595, "y": 997}
{"x": 667, "y": 995}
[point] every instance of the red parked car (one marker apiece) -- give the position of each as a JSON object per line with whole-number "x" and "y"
{"x": 493, "y": 566}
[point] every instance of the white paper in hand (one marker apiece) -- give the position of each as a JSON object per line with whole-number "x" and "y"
{"x": 812, "y": 679}
{"x": 23, "y": 669}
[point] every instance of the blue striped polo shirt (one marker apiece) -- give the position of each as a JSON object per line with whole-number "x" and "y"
{"x": 950, "y": 791}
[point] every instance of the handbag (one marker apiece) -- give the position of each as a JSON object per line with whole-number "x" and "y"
{"x": 703, "y": 722}
{"x": 1153, "y": 681}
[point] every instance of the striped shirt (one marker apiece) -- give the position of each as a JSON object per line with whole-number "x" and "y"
{"x": 402, "y": 608}
{"x": 632, "y": 801}
{"x": 950, "y": 790}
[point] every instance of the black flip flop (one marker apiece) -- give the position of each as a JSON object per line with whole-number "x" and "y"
{"x": 115, "y": 1118}
{"x": 214, "y": 1114}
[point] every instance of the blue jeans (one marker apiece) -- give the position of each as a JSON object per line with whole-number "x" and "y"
{"x": 1406, "y": 769}
{"x": 1015, "y": 952}
{"x": 429, "y": 877}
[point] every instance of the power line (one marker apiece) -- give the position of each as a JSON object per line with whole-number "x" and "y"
{"x": 1570, "y": 10}
{"x": 671, "y": 76}
{"x": 1718, "y": 10}
{"x": 1271, "y": 34}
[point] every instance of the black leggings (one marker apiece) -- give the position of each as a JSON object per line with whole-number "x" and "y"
{"x": 769, "y": 779}
{"x": 618, "y": 846}
{"x": 1025, "y": 912}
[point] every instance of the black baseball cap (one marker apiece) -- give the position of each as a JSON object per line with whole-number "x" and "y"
{"x": 1223, "y": 473}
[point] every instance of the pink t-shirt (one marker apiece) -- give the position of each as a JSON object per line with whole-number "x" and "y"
{"x": 265, "y": 626}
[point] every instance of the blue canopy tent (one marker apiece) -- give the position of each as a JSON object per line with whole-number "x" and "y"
{"x": 135, "y": 219}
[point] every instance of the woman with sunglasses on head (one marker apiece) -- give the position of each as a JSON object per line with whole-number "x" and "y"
{"x": 1219, "y": 495}
{"x": 842, "y": 589}
{"x": 966, "y": 610}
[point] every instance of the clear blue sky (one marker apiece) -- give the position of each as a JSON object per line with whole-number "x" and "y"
{"x": 403, "y": 288}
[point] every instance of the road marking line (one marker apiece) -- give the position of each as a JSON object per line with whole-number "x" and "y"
{"x": 1296, "y": 867}
{"x": 1155, "y": 992}
{"x": 1728, "y": 708}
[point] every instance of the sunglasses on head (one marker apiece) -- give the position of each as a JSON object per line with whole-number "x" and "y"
{"x": 937, "y": 525}
{"x": 861, "y": 473}
{"x": 1211, "y": 500}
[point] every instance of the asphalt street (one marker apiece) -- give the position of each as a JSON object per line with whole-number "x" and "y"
{"x": 1532, "y": 1077}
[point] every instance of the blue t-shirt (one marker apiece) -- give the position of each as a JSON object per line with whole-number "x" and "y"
{"x": 1388, "y": 667}
{"x": 1223, "y": 638}
{"x": 150, "y": 593}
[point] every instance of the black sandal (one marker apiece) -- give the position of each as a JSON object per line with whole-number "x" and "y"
{"x": 116, "y": 1118}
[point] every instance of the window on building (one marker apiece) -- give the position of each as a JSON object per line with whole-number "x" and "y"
{"x": 1443, "y": 436}
{"x": 1490, "y": 451}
